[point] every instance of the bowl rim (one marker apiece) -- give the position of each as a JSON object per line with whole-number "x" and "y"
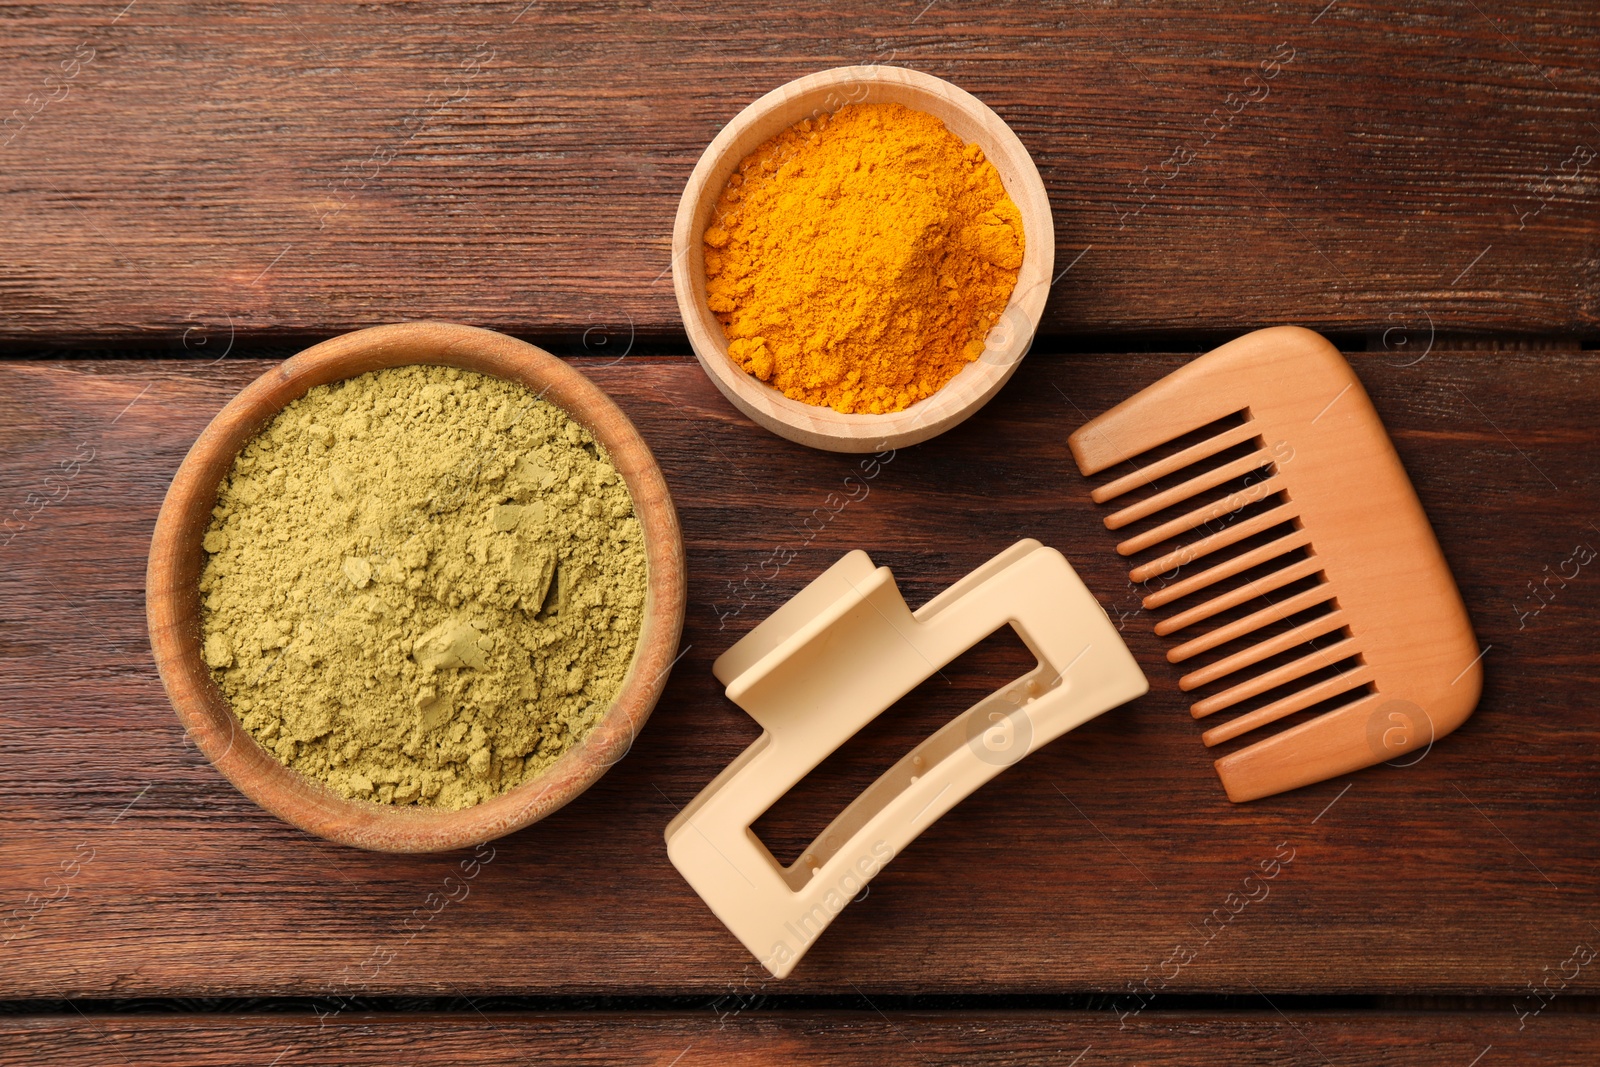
{"x": 176, "y": 558}
{"x": 975, "y": 384}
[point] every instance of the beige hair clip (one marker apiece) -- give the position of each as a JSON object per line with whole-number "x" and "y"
{"x": 830, "y": 661}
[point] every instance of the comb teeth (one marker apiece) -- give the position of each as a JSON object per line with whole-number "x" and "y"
{"x": 1314, "y": 694}
{"x": 1237, "y": 565}
{"x": 1326, "y": 624}
{"x": 1250, "y": 537}
{"x": 1288, "y": 557}
{"x": 1193, "y": 487}
{"x": 1217, "y": 509}
{"x": 1175, "y": 462}
{"x": 1273, "y": 612}
{"x": 1207, "y": 545}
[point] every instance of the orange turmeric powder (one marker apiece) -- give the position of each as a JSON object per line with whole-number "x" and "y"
{"x": 858, "y": 260}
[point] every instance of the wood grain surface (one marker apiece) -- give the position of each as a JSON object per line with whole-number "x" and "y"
{"x": 715, "y": 1036}
{"x": 1107, "y": 862}
{"x": 180, "y": 173}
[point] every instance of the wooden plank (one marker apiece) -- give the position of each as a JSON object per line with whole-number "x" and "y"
{"x": 723, "y": 1035}
{"x": 178, "y": 171}
{"x": 1092, "y": 866}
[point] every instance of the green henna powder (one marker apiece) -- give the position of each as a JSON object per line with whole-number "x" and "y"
{"x": 422, "y": 585}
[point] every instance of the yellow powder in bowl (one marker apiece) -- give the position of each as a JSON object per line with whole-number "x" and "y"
{"x": 422, "y": 585}
{"x": 858, "y": 261}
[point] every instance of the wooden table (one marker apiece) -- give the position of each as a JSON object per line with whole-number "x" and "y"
{"x": 195, "y": 190}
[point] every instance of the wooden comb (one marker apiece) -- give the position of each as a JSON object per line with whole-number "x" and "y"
{"x": 1336, "y": 605}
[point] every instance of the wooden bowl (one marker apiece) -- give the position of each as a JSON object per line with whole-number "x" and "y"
{"x": 965, "y": 116}
{"x": 173, "y": 594}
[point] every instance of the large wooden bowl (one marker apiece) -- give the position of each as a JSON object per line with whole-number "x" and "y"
{"x": 173, "y": 595}
{"x": 968, "y": 118}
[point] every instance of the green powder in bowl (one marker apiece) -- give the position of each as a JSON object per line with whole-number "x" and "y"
{"x": 422, "y": 585}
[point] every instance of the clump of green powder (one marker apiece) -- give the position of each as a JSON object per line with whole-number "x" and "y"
{"x": 422, "y": 585}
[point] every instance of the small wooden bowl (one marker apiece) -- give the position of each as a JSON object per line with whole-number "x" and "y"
{"x": 173, "y": 594}
{"x": 968, "y": 118}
